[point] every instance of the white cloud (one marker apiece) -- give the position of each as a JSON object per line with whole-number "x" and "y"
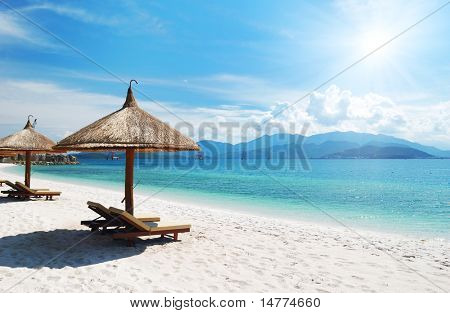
{"x": 74, "y": 13}
{"x": 340, "y": 110}
{"x": 245, "y": 89}
{"x": 61, "y": 111}
{"x": 337, "y": 107}
{"x": 14, "y": 28}
{"x": 331, "y": 107}
{"x": 9, "y": 26}
{"x": 331, "y": 110}
{"x": 58, "y": 110}
{"x": 240, "y": 89}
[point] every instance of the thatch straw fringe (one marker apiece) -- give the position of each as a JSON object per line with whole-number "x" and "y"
{"x": 26, "y": 140}
{"x": 129, "y": 127}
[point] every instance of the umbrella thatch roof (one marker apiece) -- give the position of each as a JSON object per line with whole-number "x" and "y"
{"x": 129, "y": 127}
{"x": 27, "y": 139}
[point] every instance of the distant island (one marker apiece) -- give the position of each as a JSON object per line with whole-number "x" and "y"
{"x": 373, "y": 152}
{"x": 333, "y": 145}
{"x": 42, "y": 159}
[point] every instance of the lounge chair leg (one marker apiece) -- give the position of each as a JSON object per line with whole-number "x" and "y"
{"x": 175, "y": 236}
{"x": 162, "y": 236}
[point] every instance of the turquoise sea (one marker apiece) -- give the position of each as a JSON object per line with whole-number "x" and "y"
{"x": 400, "y": 196}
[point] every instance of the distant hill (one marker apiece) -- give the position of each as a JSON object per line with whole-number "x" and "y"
{"x": 376, "y": 140}
{"x": 373, "y": 152}
{"x": 316, "y": 151}
{"x": 328, "y": 145}
{"x": 212, "y": 148}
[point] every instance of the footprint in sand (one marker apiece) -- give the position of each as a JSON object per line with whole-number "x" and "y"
{"x": 212, "y": 288}
{"x": 53, "y": 278}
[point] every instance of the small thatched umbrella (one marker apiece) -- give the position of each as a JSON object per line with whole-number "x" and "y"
{"x": 26, "y": 141}
{"x": 128, "y": 129}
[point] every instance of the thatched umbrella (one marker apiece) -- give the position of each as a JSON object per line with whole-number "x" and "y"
{"x": 26, "y": 141}
{"x": 128, "y": 129}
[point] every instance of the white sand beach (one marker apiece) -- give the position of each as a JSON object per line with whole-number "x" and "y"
{"x": 43, "y": 248}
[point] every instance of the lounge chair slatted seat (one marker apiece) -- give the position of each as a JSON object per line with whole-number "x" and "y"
{"x": 137, "y": 228}
{"x": 9, "y": 184}
{"x": 22, "y": 191}
{"x": 15, "y": 187}
{"x": 106, "y": 220}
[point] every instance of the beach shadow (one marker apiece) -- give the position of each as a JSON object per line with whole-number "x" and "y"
{"x": 62, "y": 247}
{"x": 7, "y": 199}
{"x": 11, "y": 199}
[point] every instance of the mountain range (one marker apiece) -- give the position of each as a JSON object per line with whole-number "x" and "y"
{"x": 333, "y": 145}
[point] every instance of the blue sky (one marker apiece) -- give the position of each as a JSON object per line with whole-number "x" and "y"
{"x": 220, "y": 61}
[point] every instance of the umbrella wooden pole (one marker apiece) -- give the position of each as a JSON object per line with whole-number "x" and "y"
{"x": 27, "y": 168}
{"x": 129, "y": 201}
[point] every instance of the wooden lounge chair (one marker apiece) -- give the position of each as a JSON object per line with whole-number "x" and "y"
{"x": 106, "y": 220}
{"x": 21, "y": 191}
{"x": 15, "y": 190}
{"x": 14, "y": 187}
{"x": 136, "y": 228}
{"x": 8, "y": 183}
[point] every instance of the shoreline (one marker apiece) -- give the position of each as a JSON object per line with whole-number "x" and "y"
{"x": 187, "y": 200}
{"x": 224, "y": 252}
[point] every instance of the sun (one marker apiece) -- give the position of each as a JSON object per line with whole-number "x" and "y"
{"x": 373, "y": 39}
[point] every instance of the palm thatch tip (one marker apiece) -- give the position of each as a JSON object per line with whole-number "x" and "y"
{"x": 28, "y": 139}
{"x": 128, "y": 128}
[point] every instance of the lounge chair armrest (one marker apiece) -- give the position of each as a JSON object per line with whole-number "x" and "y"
{"x": 47, "y": 192}
{"x": 149, "y": 219}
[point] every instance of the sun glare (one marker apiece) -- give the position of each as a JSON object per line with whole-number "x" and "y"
{"x": 373, "y": 39}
